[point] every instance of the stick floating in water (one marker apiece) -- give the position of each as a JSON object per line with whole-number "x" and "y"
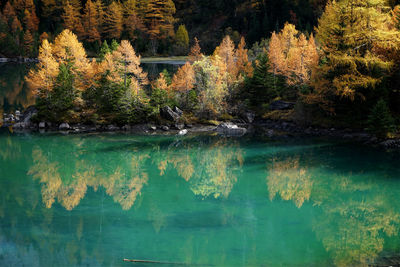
{"x": 157, "y": 262}
{"x": 164, "y": 262}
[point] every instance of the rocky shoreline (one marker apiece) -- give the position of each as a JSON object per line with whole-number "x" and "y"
{"x": 21, "y": 122}
{"x": 18, "y": 60}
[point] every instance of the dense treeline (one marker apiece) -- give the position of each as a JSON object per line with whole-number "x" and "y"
{"x": 157, "y": 26}
{"x": 347, "y": 75}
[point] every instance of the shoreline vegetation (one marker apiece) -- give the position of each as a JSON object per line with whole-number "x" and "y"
{"x": 178, "y": 60}
{"x": 344, "y": 77}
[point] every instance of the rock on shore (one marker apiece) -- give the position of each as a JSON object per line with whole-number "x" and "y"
{"x": 230, "y": 129}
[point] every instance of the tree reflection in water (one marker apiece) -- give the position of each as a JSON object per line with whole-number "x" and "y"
{"x": 356, "y": 213}
{"x": 288, "y": 179}
{"x": 353, "y": 212}
{"x": 210, "y": 171}
{"x": 123, "y": 184}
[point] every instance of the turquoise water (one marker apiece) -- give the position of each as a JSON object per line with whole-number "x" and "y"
{"x": 96, "y": 199}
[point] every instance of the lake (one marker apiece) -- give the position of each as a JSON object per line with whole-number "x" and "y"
{"x": 201, "y": 200}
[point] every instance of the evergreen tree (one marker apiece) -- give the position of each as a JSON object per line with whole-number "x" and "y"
{"x": 104, "y": 50}
{"x": 263, "y": 86}
{"x": 114, "y": 45}
{"x": 182, "y": 37}
{"x": 380, "y": 120}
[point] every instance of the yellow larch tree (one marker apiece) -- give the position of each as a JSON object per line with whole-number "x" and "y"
{"x": 226, "y": 53}
{"x": 41, "y": 79}
{"x": 123, "y": 67}
{"x": 113, "y": 21}
{"x": 183, "y": 81}
{"x": 158, "y": 19}
{"x": 29, "y": 22}
{"x": 43, "y": 36}
{"x": 357, "y": 38}
{"x": 90, "y": 22}
{"x": 301, "y": 60}
{"x": 16, "y": 26}
{"x": 275, "y": 54}
{"x": 72, "y": 20}
{"x": 68, "y": 50}
{"x": 9, "y": 12}
{"x": 29, "y": 5}
{"x": 28, "y": 43}
{"x": 100, "y": 15}
{"x": 195, "y": 51}
{"x": 161, "y": 83}
{"x": 243, "y": 65}
{"x": 292, "y": 55}
{"x": 132, "y": 21}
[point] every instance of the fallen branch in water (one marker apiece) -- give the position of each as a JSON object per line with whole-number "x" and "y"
{"x": 157, "y": 262}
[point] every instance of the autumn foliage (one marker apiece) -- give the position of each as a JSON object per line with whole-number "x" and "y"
{"x": 292, "y": 55}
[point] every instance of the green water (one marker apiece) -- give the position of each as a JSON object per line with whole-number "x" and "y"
{"x": 93, "y": 200}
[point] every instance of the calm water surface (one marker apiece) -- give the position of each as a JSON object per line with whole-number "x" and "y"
{"x": 93, "y": 200}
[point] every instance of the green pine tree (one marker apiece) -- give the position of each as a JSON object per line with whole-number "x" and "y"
{"x": 104, "y": 50}
{"x": 380, "y": 120}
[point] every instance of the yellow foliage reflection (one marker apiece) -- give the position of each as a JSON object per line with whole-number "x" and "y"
{"x": 353, "y": 228}
{"x": 210, "y": 171}
{"x": 289, "y": 180}
{"x": 69, "y": 190}
{"x": 355, "y": 216}
{"x": 48, "y": 175}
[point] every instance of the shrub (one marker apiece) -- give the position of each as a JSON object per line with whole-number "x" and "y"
{"x": 380, "y": 120}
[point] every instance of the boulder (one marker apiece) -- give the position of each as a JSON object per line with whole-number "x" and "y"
{"x": 19, "y": 125}
{"x": 281, "y": 105}
{"x": 230, "y": 129}
{"x": 391, "y": 143}
{"x": 168, "y": 114}
{"x": 153, "y": 128}
{"x": 112, "y": 128}
{"x": 165, "y": 128}
{"x": 42, "y": 125}
{"x": 270, "y": 133}
{"x": 179, "y": 126}
{"x": 178, "y": 111}
{"x": 249, "y": 117}
{"x": 183, "y": 132}
{"x": 126, "y": 127}
{"x": 27, "y": 115}
{"x": 64, "y": 126}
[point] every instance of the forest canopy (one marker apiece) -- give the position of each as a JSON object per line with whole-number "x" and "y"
{"x": 337, "y": 61}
